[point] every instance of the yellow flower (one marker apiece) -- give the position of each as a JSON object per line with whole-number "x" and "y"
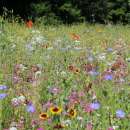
{"x": 56, "y": 110}
{"x": 72, "y": 113}
{"x": 99, "y": 30}
{"x": 43, "y": 116}
{"x": 77, "y": 70}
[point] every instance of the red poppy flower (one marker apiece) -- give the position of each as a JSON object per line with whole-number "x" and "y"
{"x": 29, "y": 24}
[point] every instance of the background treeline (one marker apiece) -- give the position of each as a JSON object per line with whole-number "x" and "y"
{"x": 70, "y": 11}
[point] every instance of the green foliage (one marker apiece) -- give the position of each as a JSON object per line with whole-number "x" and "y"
{"x": 52, "y": 14}
{"x": 128, "y": 17}
{"x": 70, "y": 11}
{"x": 117, "y": 10}
{"x": 94, "y": 11}
{"x": 39, "y": 9}
{"x": 41, "y": 13}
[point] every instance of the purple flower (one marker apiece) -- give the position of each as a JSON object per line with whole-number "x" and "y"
{"x": 109, "y": 49}
{"x": 95, "y": 105}
{"x": 30, "y": 108}
{"x": 93, "y": 73}
{"x": 3, "y": 95}
{"x": 108, "y": 77}
{"x": 120, "y": 113}
{"x": 3, "y": 87}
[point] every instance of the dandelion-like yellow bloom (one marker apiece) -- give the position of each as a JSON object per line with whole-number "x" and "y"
{"x": 55, "y": 110}
{"x": 43, "y": 116}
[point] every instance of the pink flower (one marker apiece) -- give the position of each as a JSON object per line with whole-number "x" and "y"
{"x": 110, "y": 128}
{"x": 54, "y": 90}
{"x": 74, "y": 97}
{"x": 88, "y": 109}
{"x": 89, "y": 126}
{"x": 40, "y": 129}
{"x": 47, "y": 105}
{"x": 34, "y": 123}
{"x": 81, "y": 94}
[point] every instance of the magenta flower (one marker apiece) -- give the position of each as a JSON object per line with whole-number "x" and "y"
{"x": 110, "y": 128}
{"x": 40, "y": 129}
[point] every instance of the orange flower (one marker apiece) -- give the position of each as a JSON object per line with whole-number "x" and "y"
{"x": 77, "y": 70}
{"x": 75, "y": 36}
{"x": 29, "y": 24}
{"x": 43, "y": 116}
{"x": 115, "y": 66}
{"x": 73, "y": 69}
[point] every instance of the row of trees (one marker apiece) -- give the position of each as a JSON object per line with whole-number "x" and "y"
{"x": 69, "y": 11}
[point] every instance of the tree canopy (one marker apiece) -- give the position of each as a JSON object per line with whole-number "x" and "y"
{"x": 69, "y": 11}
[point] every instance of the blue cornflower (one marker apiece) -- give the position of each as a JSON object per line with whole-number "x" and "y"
{"x": 3, "y": 87}
{"x": 108, "y": 77}
{"x": 3, "y": 95}
{"x": 30, "y": 108}
{"x": 95, "y": 105}
{"x": 120, "y": 113}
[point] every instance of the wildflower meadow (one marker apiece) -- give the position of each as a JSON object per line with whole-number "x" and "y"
{"x": 64, "y": 77}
